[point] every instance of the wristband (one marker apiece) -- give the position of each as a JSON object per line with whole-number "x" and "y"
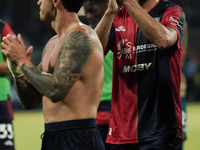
{"x": 14, "y": 69}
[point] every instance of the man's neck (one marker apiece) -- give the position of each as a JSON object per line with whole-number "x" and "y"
{"x": 63, "y": 22}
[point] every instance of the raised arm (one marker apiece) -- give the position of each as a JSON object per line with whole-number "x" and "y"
{"x": 156, "y": 32}
{"x": 104, "y": 26}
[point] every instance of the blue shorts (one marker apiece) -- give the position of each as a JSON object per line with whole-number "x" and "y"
{"x": 72, "y": 135}
{"x": 158, "y": 144}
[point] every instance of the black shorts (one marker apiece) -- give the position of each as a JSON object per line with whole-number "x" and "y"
{"x": 6, "y": 126}
{"x": 6, "y": 135}
{"x": 158, "y": 144}
{"x": 72, "y": 135}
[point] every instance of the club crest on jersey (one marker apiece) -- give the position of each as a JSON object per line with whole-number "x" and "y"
{"x": 124, "y": 50}
{"x": 120, "y": 28}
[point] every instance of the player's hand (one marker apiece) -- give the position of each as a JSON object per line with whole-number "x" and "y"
{"x": 113, "y": 6}
{"x": 15, "y": 50}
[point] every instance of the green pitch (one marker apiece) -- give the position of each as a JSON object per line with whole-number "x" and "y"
{"x": 193, "y": 127}
{"x": 29, "y": 125}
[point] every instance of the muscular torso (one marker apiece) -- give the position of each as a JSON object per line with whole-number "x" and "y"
{"x": 83, "y": 98}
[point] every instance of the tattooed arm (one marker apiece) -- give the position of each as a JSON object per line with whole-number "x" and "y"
{"x": 30, "y": 98}
{"x": 74, "y": 53}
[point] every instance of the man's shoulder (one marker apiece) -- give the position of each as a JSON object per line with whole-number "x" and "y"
{"x": 86, "y": 29}
{"x": 51, "y": 40}
{"x": 81, "y": 34}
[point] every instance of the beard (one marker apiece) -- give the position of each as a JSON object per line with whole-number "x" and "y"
{"x": 48, "y": 16}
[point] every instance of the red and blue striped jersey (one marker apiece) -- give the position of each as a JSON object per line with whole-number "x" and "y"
{"x": 146, "y": 100}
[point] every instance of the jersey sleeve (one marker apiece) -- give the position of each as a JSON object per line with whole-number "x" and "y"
{"x": 7, "y": 30}
{"x": 111, "y": 39}
{"x": 174, "y": 17}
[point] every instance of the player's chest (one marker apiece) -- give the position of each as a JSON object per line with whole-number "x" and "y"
{"x": 50, "y": 59}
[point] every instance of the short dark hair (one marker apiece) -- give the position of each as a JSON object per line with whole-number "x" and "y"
{"x": 72, "y": 5}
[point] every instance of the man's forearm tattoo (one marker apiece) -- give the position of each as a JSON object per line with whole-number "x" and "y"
{"x": 43, "y": 83}
{"x": 29, "y": 96}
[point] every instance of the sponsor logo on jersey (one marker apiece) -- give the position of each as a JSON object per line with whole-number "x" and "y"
{"x": 138, "y": 67}
{"x": 146, "y": 46}
{"x": 120, "y": 28}
{"x": 172, "y": 19}
{"x": 126, "y": 49}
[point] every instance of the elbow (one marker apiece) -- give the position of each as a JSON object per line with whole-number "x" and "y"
{"x": 161, "y": 46}
{"x": 29, "y": 107}
{"x": 31, "y": 104}
{"x": 164, "y": 44}
{"x": 58, "y": 95}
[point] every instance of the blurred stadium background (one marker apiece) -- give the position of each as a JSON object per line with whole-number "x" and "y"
{"x": 23, "y": 17}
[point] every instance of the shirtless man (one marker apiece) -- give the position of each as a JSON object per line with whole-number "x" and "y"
{"x": 68, "y": 80}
